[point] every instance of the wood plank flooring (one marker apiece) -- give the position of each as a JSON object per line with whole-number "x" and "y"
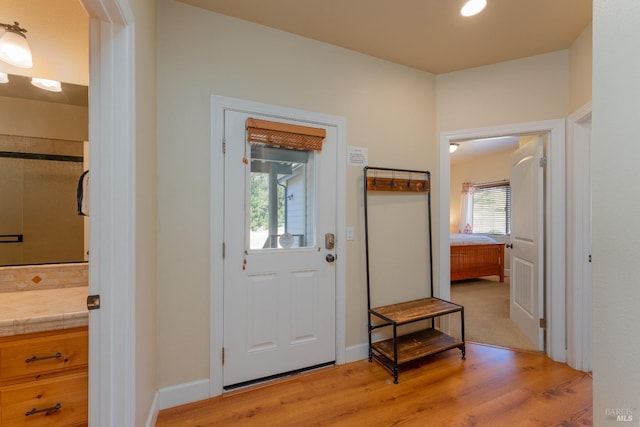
{"x": 493, "y": 387}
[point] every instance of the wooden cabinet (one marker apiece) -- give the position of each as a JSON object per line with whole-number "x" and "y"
{"x": 44, "y": 379}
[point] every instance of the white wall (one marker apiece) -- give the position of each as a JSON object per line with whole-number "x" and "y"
{"x": 389, "y": 108}
{"x": 616, "y": 231}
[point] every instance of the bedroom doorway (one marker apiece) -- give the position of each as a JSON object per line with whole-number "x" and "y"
{"x": 481, "y": 220}
{"x": 554, "y": 215}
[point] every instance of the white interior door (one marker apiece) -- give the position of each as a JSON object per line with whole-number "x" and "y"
{"x": 527, "y": 227}
{"x": 279, "y": 279}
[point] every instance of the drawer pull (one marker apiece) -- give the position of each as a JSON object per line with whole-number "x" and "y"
{"x": 49, "y": 411}
{"x": 58, "y": 355}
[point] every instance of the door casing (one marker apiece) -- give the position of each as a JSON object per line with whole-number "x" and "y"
{"x": 112, "y": 355}
{"x": 579, "y": 286}
{"x": 555, "y": 216}
{"x": 218, "y": 105}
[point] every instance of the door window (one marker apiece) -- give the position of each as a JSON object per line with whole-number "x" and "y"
{"x": 281, "y": 198}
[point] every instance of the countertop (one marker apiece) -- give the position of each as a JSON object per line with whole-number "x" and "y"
{"x": 24, "y": 312}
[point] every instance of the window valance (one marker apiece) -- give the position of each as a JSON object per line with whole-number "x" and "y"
{"x": 285, "y": 135}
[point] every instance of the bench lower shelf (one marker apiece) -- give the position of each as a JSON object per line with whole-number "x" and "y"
{"x": 412, "y": 347}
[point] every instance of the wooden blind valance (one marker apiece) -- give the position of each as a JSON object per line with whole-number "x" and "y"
{"x": 285, "y": 135}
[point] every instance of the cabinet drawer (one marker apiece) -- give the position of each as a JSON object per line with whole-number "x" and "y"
{"x": 35, "y": 403}
{"x": 43, "y": 354}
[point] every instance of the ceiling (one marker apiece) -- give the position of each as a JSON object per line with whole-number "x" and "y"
{"x": 428, "y": 35}
{"x": 473, "y": 148}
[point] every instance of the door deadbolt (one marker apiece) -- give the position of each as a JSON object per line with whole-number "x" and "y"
{"x": 329, "y": 241}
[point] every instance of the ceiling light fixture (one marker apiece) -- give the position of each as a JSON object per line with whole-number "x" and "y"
{"x": 14, "y": 48}
{"x": 4, "y": 78}
{"x": 453, "y": 146}
{"x": 473, "y": 7}
{"x": 46, "y": 84}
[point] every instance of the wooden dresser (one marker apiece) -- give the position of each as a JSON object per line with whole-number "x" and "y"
{"x": 44, "y": 378}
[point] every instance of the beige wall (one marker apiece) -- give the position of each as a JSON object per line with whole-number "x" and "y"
{"x": 389, "y": 108}
{"x": 486, "y": 168}
{"x": 146, "y": 199}
{"x": 580, "y": 70}
{"x": 615, "y": 246}
{"x": 519, "y": 91}
{"x": 58, "y": 35}
{"x": 38, "y": 119}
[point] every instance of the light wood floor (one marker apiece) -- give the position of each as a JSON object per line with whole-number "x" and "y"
{"x": 493, "y": 387}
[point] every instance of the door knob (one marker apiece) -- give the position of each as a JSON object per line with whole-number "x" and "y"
{"x": 509, "y": 246}
{"x": 330, "y": 258}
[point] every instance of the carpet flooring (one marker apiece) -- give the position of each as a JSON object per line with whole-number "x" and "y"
{"x": 486, "y": 313}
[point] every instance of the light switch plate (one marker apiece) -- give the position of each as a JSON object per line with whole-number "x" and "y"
{"x": 349, "y": 233}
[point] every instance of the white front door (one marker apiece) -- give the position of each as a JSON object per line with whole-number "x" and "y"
{"x": 527, "y": 290}
{"x": 279, "y": 278}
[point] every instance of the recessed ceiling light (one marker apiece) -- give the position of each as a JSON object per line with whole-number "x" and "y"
{"x": 473, "y": 7}
{"x": 4, "y": 78}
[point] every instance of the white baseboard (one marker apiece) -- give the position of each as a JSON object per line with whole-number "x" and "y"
{"x": 357, "y": 352}
{"x": 152, "y": 417}
{"x": 177, "y": 395}
{"x": 181, "y": 394}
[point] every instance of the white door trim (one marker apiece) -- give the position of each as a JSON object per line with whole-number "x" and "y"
{"x": 555, "y": 216}
{"x": 218, "y": 105}
{"x": 112, "y": 364}
{"x": 578, "y": 248}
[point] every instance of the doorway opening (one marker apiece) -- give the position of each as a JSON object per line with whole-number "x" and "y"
{"x": 481, "y": 192}
{"x": 554, "y": 231}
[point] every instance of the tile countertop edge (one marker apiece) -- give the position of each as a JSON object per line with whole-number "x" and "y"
{"x": 27, "y": 312}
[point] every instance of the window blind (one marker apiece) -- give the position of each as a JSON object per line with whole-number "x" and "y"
{"x": 285, "y": 135}
{"x": 492, "y": 209}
